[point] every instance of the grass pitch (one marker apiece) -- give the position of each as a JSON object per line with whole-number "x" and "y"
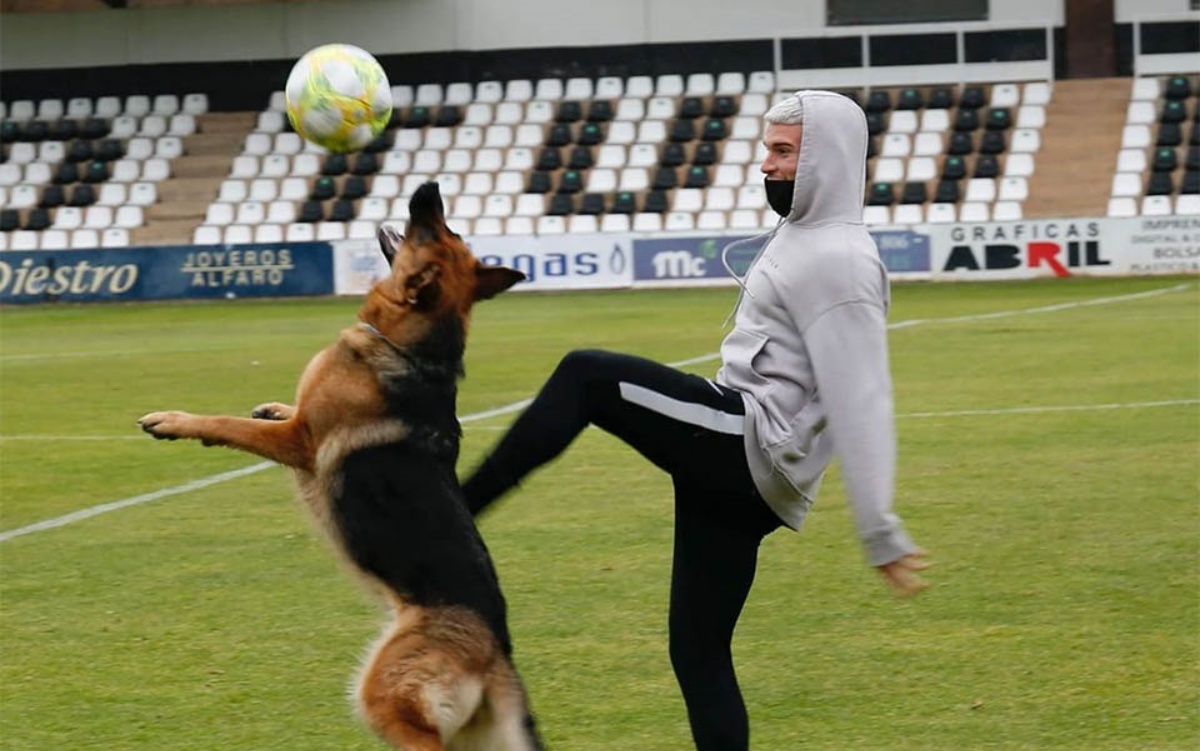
{"x": 1048, "y": 461}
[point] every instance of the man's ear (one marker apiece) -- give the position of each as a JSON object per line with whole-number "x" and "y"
{"x": 492, "y": 280}
{"x": 421, "y": 289}
{"x": 390, "y": 241}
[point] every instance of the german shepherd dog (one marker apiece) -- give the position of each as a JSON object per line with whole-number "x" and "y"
{"x": 373, "y": 440}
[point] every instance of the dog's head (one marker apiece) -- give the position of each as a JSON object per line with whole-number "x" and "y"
{"x": 433, "y": 275}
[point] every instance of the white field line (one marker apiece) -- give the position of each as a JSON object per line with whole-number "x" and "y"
{"x": 61, "y": 521}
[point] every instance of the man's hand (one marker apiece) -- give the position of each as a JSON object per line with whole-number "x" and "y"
{"x": 901, "y": 573}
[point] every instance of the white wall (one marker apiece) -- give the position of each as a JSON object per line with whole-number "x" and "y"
{"x": 1127, "y": 11}
{"x": 282, "y": 31}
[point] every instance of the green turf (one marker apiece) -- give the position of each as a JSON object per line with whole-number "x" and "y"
{"x": 1064, "y": 613}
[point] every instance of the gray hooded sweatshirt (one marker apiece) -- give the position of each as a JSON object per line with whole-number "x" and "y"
{"x": 809, "y": 347}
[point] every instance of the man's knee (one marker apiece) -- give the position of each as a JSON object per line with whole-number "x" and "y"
{"x": 577, "y": 365}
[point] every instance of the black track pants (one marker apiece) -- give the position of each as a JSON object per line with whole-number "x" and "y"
{"x": 692, "y": 429}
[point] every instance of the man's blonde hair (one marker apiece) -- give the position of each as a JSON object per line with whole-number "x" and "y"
{"x": 790, "y": 111}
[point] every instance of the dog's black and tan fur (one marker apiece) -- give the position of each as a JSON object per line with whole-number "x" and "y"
{"x": 373, "y": 441}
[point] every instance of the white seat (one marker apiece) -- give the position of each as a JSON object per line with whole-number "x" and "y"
{"x": 293, "y": 189}
{"x": 251, "y": 212}
{"x": 1187, "y": 204}
{"x": 54, "y": 239}
{"x": 530, "y": 204}
{"x": 921, "y": 169}
{"x": 1006, "y": 211}
{"x": 928, "y": 144}
{"x": 487, "y": 226}
{"x": 719, "y": 199}
{"x": 114, "y": 237}
{"x": 68, "y": 217}
{"x": 458, "y": 94}
{"x": 85, "y": 238}
{"x": 1156, "y": 206}
{"x": 298, "y": 233}
{"x": 974, "y": 212}
{"x": 277, "y": 166}
{"x": 660, "y": 108}
{"x": 877, "y": 215}
{"x": 22, "y": 110}
{"x": 78, "y": 108}
{"x": 1005, "y": 95}
{"x": 730, "y": 84}
{"x": 908, "y": 213}
{"x": 123, "y": 127}
{"x": 402, "y": 95}
{"x": 1018, "y": 165}
{"x": 1025, "y": 141}
{"x": 941, "y": 213}
{"x": 258, "y": 144}
{"x": 478, "y": 184}
{"x": 361, "y": 229}
{"x": 140, "y": 148}
{"x": 1122, "y": 207}
{"x": 153, "y": 126}
{"x": 498, "y": 136}
{"x": 528, "y": 135}
{"x": 1140, "y": 113}
{"x": 374, "y": 208}
{"x": 489, "y": 92}
{"x": 713, "y": 221}
{"x": 1126, "y": 184}
{"x": 438, "y": 139}
{"x": 112, "y": 194}
{"x": 1013, "y": 189}
{"x": 269, "y": 121}
{"x": 449, "y": 183}
{"x": 288, "y": 144}
{"x": 549, "y": 89}
{"x": 456, "y": 161}
{"x": 934, "y": 121}
{"x": 609, "y": 87}
{"x": 646, "y": 222}
{"x": 508, "y": 113}
{"x": 753, "y": 105}
{"x": 582, "y": 224}
{"x": 895, "y": 145}
{"x": 467, "y": 207}
{"x": 578, "y": 88}
{"x": 551, "y": 225}
{"x": 263, "y": 189}
{"x": 679, "y": 221}
{"x": 126, "y": 171}
{"x": 142, "y": 194}
{"x": 137, "y": 105}
{"x": 51, "y": 152}
{"x": 902, "y": 121}
{"x": 752, "y": 197}
{"x": 280, "y": 212}
{"x": 1144, "y": 89}
{"x": 1031, "y": 116}
{"x": 427, "y": 161}
{"x": 610, "y": 156}
{"x": 168, "y": 147}
{"x": 237, "y": 234}
{"x": 737, "y": 152}
{"x": 277, "y": 101}
{"x": 634, "y": 179}
{"x": 219, "y": 214}
{"x": 518, "y": 225}
{"x": 165, "y": 104}
{"x": 700, "y": 84}
{"x": 520, "y": 90}
{"x": 206, "y": 235}
{"x": 640, "y": 87}
{"x": 498, "y": 206}
{"x": 428, "y": 95}
{"x": 268, "y": 233}
{"x": 744, "y": 219}
{"x": 22, "y": 153}
{"x": 395, "y": 163}
{"x": 509, "y": 183}
{"x": 232, "y": 191}
{"x": 630, "y": 109}
{"x": 642, "y": 155}
{"x": 23, "y": 239}
{"x": 745, "y": 128}
{"x": 1036, "y": 93}
{"x": 1131, "y": 160}
{"x": 615, "y": 223}
{"x": 623, "y": 132}
{"x": 10, "y": 174}
{"x": 195, "y": 104}
{"x": 412, "y": 181}
{"x": 407, "y": 140}
{"x": 601, "y": 180}
{"x": 331, "y": 231}
{"x": 980, "y": 189}
{"x": 669, "y": 84}
{"x": 888, "y": 170}
{"x": 652, "y": 131}
{"x": 488, "y": 160}
{"x": 244, "y": 167}
{"x": 108, "y": 107}
{"x": 98, "y": 217}
{"x": 730, "y": 175}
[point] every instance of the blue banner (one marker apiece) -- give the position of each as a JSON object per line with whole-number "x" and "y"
{"x": 696, "y": 258}
{"x": 193, "y": 271}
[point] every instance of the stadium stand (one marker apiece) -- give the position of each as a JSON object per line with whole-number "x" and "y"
{"x": 1158, "y": 166}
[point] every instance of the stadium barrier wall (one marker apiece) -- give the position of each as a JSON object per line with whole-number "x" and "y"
{"x": 940, "y": 252}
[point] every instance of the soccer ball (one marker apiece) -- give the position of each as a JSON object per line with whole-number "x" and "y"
{"x": 338, "y": 97}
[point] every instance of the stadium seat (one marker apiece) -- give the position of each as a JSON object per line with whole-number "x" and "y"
{"x": 1018, "y": 165}
{"x": 518, "y": 225}
{"x": 84, "y": 238}
{"x": 548, "y": 89}
{"x": 1006, "y": 211}
{"x": 912, "y": 213}
{"x": 1187, "y": 204}
{"x": 1144, "y": 89}
{"x": 941, "y": 213}
{"x": 974, "y": 212}
{"x": 551, "y": 225}
{"x": 54, "y": 239}
{"x": 300, "y": 233}
{"x": 331, "y": 231}
{"x": 488, "y": 226}
{"x": 877, "y": 215}
{"x": 268, "y": 233}
{"x": 1156, "y": 206}
{"x": 1122, "y": 207}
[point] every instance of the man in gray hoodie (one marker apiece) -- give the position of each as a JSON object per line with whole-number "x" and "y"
{"x": 804, "y": 375}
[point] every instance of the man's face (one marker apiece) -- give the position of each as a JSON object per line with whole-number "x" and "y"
{"x": 783, "y": 147}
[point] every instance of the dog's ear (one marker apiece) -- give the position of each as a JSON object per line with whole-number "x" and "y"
{"x": 390, "y": 241}
{"x": 421, "y": 289}
{"x": 492, "y": 280}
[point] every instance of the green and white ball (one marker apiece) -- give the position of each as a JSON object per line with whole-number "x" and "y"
{"x": 338, "y": 97}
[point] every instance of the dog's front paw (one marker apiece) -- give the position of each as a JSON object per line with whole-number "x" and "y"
{"x": 165, "y": 425}
{"x": 273, "y": 411}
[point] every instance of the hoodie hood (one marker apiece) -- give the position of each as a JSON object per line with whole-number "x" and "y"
{"x": 831, "y": 170}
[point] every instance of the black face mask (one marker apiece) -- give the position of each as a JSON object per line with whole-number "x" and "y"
{"x": 779, "y": 195}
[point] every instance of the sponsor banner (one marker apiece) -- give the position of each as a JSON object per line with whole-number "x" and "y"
{"x": 557, "y": 262}
{"x": 697, "y": 260}
{"x": 157, "y": 273}
{"x": 1066, "y": 247}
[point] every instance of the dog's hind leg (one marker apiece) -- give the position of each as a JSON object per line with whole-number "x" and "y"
{"x": 284, "y": 442}
{"x": 512, "y": 726}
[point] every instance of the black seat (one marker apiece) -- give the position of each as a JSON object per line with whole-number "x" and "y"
{"x": 366, "y": 163}
{"x": 1165, "y": 160}
{"x": 723, "y": 106}
{"x": 1194, "y": 138}
{"x": 67, "y": 173}
{"x": 913, "y": 193}
{"x": 561, "y": 204}
{"x": 972, "y": 98}
{"x": 354, "y": 187}
{"x": 83, "y": 195}
{"x": 600, "y": 111}
{"x": 109, "y": 150}
{"x": 539, "y": 182}
{"x": 623, "y": 203}
{"x": 335, "y": 164}
{"x": 683, "y": 130}
{"x": 966, "y": 121}
{"x": 79, "y": 151}
{"x": 961, "y": 143}
{"x": 323, "y": 189}
{"x": 590, "y": 134}
{"x": 342, "y": 211}
{"x": 1192, "y": 161}
{"x": 910, "y": 99}
{"x": 568, "y": 112}
{"x": 878, "y": 101}
{"x": 986, "y": 166}
{"x": 311, "y": 211}
{"x": 64, "y": 130}
{"x": 872, "y": 147}
{"x": 10, "y": 132}
{"x": 947, "y": 192}
{"x": 37, "y": 220}
{"x": 714, "y": 129}
{"x": 559, "y": 135}
{"x": 672, "y": 155}
{"x": 999, "y": 118}
{"x": 571, "y": 181}
{"x": 1177, "y": 87}
{"x": 1191, "y": 182}
{"x": 1160, "y": 184}
{"x": 955, "y": 168}
{"x": 418, "y": 117}
{"x": 10, "y": 220}
{"x": 1173, "y": 111}
{"x": 448, "y": 116}
{"x": 665, "y": 178}
{"x": 581, "y": 158}
{"x": 379, "y": 144}
{"x": 941, "y": 98}
{"x": 592, "y": 204}
{"x": 881, "y": 194}
{"x": 691, "y": 107}
{"x": 52, "y": 197}
{"x": 396, "y": 119}
{"x": 549, "y": 158}
{"x": 1169, "y": 134}
{"x": 705, "y": 153}
{"x": 697, "y": 177}
{"x": 93, "y": 128}
{"x": 992, "y": 143}
{"x": 35, "y": 130}
{"x": 875, "y": 123}
{"x": 656, "y": 202}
